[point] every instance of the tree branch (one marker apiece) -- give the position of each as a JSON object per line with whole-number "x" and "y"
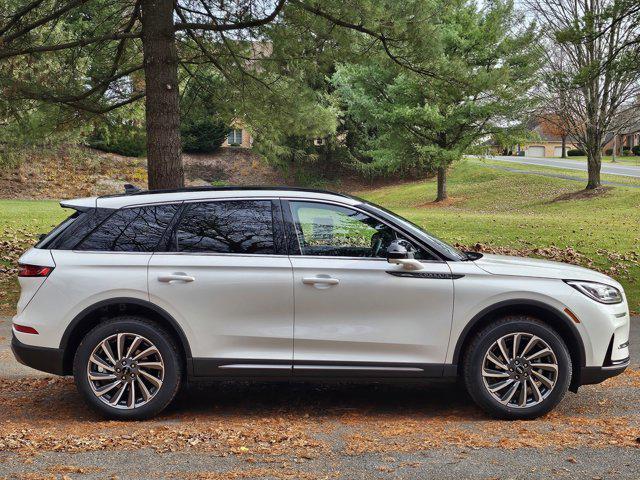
{"x": 15, "y": 18}
{"x": 53, "y": 15}
{"x": 377, "y": 35}
{"x": 223, "y": 27}
{"x": 64, "y": 46}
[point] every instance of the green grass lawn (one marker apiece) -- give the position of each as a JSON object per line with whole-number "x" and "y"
{"x": 20, "y": 222}
{"x": 488, "y": 206}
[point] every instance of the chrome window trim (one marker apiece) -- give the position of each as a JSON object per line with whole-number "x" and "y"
{"x": 221, "y": 254}
{"x": 377, "y": 259}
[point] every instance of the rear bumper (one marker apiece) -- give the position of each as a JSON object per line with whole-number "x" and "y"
{"x": 591, "y": 375}
{"x": 50, "y": 360}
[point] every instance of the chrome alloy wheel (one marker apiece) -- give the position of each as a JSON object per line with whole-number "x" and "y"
{"x": 520, "y": 370}
{"x": 125, "y": 370}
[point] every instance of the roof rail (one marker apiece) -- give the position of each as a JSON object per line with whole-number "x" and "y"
{"x": 129, "y": 191}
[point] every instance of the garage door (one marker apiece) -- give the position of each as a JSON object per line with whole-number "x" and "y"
{"x": 535, "y": 152}
{"x": 557, "y": 152}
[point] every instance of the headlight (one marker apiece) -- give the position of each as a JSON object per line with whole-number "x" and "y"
{"x": 598, "y": 291}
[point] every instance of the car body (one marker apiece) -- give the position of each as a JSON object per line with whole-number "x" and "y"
{"x": 285, "y": 283}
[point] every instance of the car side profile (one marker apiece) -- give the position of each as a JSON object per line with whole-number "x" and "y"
{"x": 136, "y": 294}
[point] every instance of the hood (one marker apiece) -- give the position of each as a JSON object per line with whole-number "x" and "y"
{"x": 533, "y": 267}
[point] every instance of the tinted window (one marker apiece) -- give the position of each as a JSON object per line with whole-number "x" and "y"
{"x": 46, "y": 240}
{"x": 237, "y": 226}
{"x": 331, "y": 230}
{"x": 136, "y": 229}
{"x": 70, "y": 233}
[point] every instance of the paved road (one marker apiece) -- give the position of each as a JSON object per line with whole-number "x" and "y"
{"x": 611, "y": 169}
{"x": 285, "y": 431}
{"x": 563, "y": 176}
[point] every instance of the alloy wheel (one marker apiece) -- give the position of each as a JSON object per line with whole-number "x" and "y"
{"x": 125, "y": 370}
{"x": 520, "y": 370}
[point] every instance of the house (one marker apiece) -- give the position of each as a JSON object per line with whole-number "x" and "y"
{"x": 546, "y": 144}
{"x": 624, "y": 140}
{"x": 238, "y": 136}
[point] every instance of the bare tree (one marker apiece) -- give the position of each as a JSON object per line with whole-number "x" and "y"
{"x": 593, "y": 53}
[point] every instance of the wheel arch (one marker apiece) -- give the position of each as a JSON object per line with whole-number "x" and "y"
{"x": 103, "y": 310}
{"x": 544, "y": 312}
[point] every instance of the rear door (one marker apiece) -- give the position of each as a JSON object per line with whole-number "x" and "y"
{"x": 226, "y": 277}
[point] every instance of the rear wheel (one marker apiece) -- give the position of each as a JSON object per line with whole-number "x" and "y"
{"x": 517, "y": 368}
{"x": 127, "y": 368}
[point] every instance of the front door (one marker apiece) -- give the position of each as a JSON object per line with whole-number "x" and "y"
{"x": 354, "y": 312}
{"x": 229, "y": 284}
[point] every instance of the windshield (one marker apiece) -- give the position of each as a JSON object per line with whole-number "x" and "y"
{"x": 451, "y": 251}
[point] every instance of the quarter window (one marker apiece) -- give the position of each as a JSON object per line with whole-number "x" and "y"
{"x": 237, "y": 226}
{"x": 136, "y": 229}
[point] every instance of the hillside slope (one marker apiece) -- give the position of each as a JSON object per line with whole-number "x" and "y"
{"x": 67, "y": 172}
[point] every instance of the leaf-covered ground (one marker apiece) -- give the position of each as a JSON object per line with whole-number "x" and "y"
{"x": 309, "y": 431}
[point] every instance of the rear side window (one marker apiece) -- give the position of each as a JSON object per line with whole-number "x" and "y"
{"x": 234, "y": 226}
{"x": 137, "y": 229}
{"x": 66, "y": 235}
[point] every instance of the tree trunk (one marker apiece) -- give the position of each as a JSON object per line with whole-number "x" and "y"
{"x": 564, "y": 147}
{"x": 594, "y": 161}
{"x": 613, "y": 150}
{"x": 442, "y": 184}
{"x": 164, "y": 161}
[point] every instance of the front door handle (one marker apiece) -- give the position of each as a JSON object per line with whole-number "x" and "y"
{"x": 175, "y": 278}
{"x": 320, "y": 281}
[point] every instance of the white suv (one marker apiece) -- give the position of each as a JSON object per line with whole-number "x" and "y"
{"x": 134, "y": 294}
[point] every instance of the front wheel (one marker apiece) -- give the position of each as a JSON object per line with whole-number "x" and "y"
{"x": 127, "y": 368}
{"x": 517, "y": 368}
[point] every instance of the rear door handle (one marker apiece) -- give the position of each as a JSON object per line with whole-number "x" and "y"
{"x": 320, "y": 281}
{"x": 175, "y": 278}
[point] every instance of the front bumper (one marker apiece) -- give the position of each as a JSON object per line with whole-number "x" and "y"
{"x": 591, "y": 375}
{"x": 50, "y": 360}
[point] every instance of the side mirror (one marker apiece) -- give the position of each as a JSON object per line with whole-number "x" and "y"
{"x": 399, "y": 254}
{"x": 398, "y": 250}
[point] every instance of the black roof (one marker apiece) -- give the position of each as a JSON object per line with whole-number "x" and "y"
{"x": 223, "y": 189}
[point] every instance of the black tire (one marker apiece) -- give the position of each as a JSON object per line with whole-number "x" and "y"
{"x": 170, "y": 357}
{"x": 474, "y": 359}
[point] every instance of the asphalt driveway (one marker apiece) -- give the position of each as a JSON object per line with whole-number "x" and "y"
{"x": 609, "y": 168}
{"x": 306, "y": 431}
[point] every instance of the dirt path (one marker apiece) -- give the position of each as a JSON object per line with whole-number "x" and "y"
{"x": 289, "y": 431}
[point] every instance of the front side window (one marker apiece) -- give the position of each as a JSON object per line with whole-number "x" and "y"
{"x": 234, "y": 226}
{"x": 137, "y": 229}
{"x": 336, "y": 231}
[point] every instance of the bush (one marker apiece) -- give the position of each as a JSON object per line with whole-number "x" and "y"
{"x": 121, "y": 138}
{"x": 576, "y": 153}
{"x": 608, "y": 151}
{"x": 203, "y": 135}
{"x": 636, "y": 150}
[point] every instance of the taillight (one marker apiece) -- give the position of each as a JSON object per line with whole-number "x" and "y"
{"x": 33, "y": 270}
{"x": 25, "y": 329}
